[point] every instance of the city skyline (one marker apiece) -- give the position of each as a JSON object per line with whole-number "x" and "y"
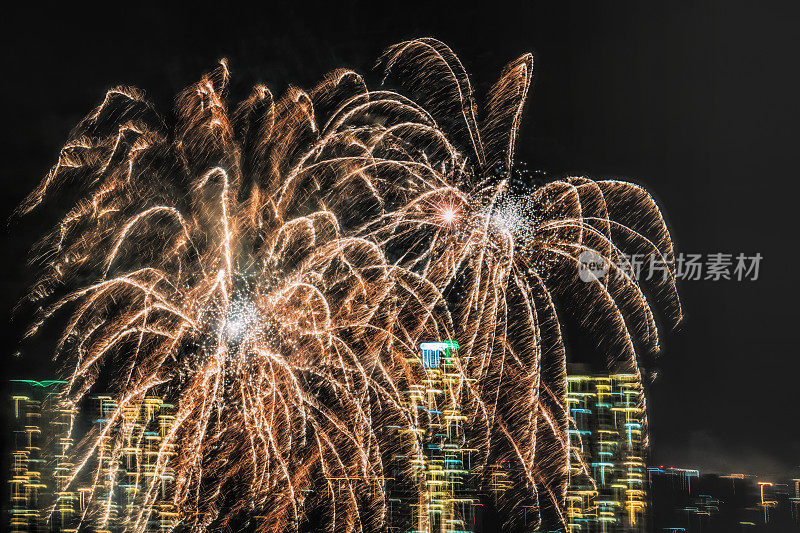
{"x": 609, "y": 487}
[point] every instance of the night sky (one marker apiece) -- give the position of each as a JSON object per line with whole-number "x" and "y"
{"x": 697, "y": 103}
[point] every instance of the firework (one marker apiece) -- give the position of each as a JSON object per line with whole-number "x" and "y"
{"x": 271, "y": 268}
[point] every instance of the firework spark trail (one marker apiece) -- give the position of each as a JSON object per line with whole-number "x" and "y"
{"x": 271, "y": 269}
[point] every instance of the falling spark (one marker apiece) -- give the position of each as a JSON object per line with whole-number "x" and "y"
{"x": 271, "y": 267}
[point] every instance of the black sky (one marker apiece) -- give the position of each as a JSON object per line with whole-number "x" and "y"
{"x": 698, "y": 103}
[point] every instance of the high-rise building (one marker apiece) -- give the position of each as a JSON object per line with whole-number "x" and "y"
{"x": 133, "y": 466}
{"x": 130, "y": 465}
{"x": 41, "y": 442}
{"x": 430, "y": 486}
{"x": 607, "y": 482}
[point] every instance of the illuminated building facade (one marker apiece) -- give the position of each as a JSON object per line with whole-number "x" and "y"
{"x": 41, "y": 496}
{"x": 127, "y": 458}
{"x": 430, "y": 486}
{"x": 40, "y": 445}
{"x": 607, "y": 485}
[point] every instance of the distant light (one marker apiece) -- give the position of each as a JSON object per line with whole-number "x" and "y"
{"x": 438, "y": 345}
